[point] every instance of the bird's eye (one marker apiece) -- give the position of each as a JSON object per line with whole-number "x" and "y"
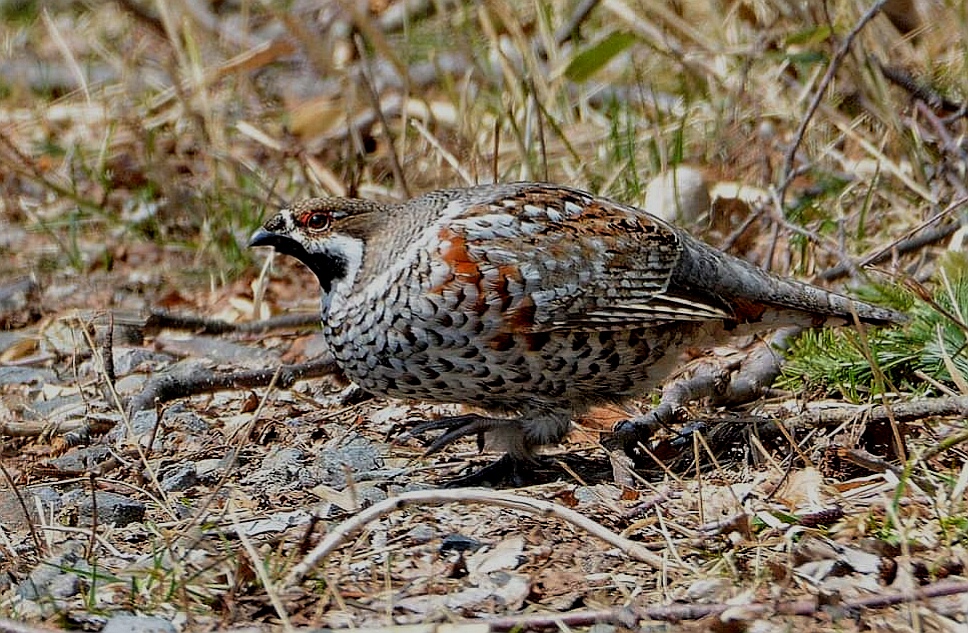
{"x": 317, "y": 220}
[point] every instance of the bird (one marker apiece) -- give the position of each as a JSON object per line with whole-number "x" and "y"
{"x": 530, "y": 302}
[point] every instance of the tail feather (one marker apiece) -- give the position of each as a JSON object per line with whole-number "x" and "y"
{"x": 745, "y": 288}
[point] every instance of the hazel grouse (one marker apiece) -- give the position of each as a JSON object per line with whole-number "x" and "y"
{"x": 532, "y": 302}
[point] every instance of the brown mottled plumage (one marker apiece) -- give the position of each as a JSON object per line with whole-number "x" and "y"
{"x": 530, "y": 301}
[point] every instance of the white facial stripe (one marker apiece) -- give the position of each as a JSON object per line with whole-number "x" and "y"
{"x": 350, "y": 248}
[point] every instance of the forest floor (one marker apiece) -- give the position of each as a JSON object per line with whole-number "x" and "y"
{"x": 160, "y": 472}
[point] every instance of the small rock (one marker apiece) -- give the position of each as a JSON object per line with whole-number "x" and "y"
{"x": 131, "y": 384}
{"x": 19, "y": 303}
{"x": 12, "y": 511}
{"x": 181, "y": 476}
{"x": 285, "y": 460}
{"x": 357, "y": 454}
{"x": 181, "y": 418}
{"x": 459, "y": 543}
{"x": 81, "y": 459}
{"x": 55, "y": 578}
{"x": 284, "y": 467}
{"x": 128, "y": 359}
{"x": 26, "y": 376}
{"x": 47, "y": 498}
{"x": 679, "y": 194}
{"x": 217, "y": 349}
{"x": 421, "y": 533}
{"x": 112, "y": 508}
{"x": 58, "y": 408}
{"x": 124, "y": 623}
{"x": 143, "y": 425}
{"x": 367, "y": 494}
{"x": 210, "y": 470}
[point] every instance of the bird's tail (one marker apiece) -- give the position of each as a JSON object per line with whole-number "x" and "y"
{"x": 746, "y": 288}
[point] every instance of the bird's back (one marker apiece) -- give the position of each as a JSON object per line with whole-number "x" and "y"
{"x": 528, "y": 294}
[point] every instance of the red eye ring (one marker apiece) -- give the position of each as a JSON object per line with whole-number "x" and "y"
{"x": 317, "y": 220}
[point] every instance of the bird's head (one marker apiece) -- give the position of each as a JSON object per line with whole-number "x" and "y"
{"x": 328, "y": 235}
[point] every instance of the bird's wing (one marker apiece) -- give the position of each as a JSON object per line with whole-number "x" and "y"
{"x": 542, "y": 258}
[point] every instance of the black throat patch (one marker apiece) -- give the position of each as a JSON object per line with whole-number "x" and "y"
{"x": 328, "y": 267}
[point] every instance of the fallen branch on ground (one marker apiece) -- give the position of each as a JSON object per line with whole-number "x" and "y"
{"x": 632, "y": 617}
{"x": 342, "y": 532}
{"x": 711, "y": 381}
{"x": 160, "y": 319}
{"x": 170, "y": 386}
{"x": 902, "y": 412}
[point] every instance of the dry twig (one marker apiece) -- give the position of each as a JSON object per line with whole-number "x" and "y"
{"x": 160, "y": 319}
{"x": 165, "y": 387}
{"x": 342, "y": 532}
{"x": 712, "y": 381}
{"x": 631, "y": 617}
{"x": 838, "y": 58}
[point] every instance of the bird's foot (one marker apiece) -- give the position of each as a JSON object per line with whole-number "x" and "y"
{"x": 506, "y": 472}
{"x": 630, "y": 434}
{"x": 459, "y": 426}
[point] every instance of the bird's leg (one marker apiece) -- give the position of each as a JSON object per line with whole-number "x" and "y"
{"x": 462, "y": 425}
{"x": 510, "y": 470}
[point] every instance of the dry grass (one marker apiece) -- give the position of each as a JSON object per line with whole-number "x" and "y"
{"x": 141, "y": 143}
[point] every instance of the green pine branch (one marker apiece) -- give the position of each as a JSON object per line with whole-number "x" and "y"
{"x": 933, "y": 343}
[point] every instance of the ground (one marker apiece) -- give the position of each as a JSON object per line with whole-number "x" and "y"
{"x": 142, "y": 143}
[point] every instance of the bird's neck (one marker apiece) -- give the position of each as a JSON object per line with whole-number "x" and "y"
{"x": 337, "y": 269}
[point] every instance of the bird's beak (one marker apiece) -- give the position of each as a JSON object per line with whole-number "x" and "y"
{"x": 287, "y": 246}
{"x": 262, "y": 237}
{"x": 282, "y": 243}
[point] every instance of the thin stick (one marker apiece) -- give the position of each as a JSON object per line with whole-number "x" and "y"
{"x": 630, "y": 617}
{"x": 791, "y": 153}
{"x": 41, "y": 550}
{"x": 367, "y": 81}
{"x": 344, "y": 531}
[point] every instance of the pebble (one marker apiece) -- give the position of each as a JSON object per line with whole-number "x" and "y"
{"x": 421, "y": 533}
{"x": 181, "y": 476}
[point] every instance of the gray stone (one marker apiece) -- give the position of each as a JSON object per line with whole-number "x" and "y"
{"x": 210, "y": 470}
{"x": 285, "y": 467}
{"x": 127, "y": 359}
{"x": 26, "y": 376}
{"x": 16, "y": 296}
{"x": 143, "y": 424}
{"x": 56, "y": 578}
{"x": 181, "y": 418}
{"x": 357, "y": 454}
{"x": 217, "y": 349}
{"x": 421, "y": 533}
{"x": 131, "y": 384}
{"x": 181, "y": 476}
{"x": 111, "y": 508}
{"x": 367, "y": 495}
{"x": 126, "y": 623}
{"x": 50, "y": 500}
{"x": 60, "y": 407}
{"x": 81, "y": 459}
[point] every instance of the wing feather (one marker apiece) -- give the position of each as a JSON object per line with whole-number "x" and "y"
{"x": 553, "y": 258}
